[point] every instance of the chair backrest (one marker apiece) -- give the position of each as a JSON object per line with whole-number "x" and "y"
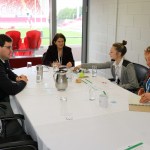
{"x": 44, "y": 54}
{"x": 33, "y": 39}
{"x": 140, "y": 72}
{"x": 18, "y": 143}
{"x": 16, "y": 36}
{"x": 12, "y": 135}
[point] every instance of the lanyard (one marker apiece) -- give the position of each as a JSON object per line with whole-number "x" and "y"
{"x": 148, "y": 85}
{"x": 60, "y": 58}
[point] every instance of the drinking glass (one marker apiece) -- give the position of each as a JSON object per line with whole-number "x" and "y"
{"x": 103, "y": 101}
{"x": 29, "y": 64}
{"x": 38, "y": 78}
{"x": 69, "y": 75}
{"x": 64, "y": 108}
{"x": 64, "y": 105}
{"x": 92, "y": 94}
{"x": 39, "y": 69}
{"x": 94, "y": 71}
{"x": 55, "y": 66}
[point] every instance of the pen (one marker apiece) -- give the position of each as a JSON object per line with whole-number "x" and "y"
{"x": 91, "y": 85}
{"x": 88, "y": 80}
{"x": 84, "y": 81}
{"x": 104, "y": 92}
{"x": 134, "y": 146}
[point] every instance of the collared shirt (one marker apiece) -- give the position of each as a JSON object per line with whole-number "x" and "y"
{"x": 146, "y": 83}
{"x": 60, "y": 58}
{"x": 2, "y": 60}
{"x": 147, "y": 88}
{"x": 118, "y": 68}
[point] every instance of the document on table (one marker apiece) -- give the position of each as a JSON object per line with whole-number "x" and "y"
{"x": 135, "y": 105}
{"x": 135, "y": 100}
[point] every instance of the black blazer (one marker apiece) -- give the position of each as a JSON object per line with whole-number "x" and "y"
{"x": 8, "y": 84}
{"x": 52, "y": 55}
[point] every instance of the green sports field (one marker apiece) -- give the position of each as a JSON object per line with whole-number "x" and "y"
{"x": 73, "y": 37}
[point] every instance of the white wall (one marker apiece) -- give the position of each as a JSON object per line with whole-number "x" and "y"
{"x": 117, "y": 20}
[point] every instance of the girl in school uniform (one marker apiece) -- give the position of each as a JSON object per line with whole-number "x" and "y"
{"x": 122, "y": 70}
{"x": 144, "y": 92}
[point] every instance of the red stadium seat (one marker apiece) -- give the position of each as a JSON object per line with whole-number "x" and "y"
{"x": 32, "y": 39}
{"x": 17, "y": 41}
{"x": 16, "y": 36}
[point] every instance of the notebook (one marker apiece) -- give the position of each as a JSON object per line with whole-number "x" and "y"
{"x": 135, "y": 105}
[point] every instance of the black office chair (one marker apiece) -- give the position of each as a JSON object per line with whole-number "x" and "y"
{"x": 12, "y": 136}
{"x": 43, "y": 57}
{"x": 141, "y": 72}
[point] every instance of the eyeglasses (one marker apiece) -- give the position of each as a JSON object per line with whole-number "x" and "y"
{"x": 8, "y": 47}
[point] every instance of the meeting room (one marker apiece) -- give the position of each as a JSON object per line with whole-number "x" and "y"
{"x": 74, "y": 75}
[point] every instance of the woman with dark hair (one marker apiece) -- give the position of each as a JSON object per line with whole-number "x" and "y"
{"x": 58, "y": 52}
{"x": 122, "y": 70}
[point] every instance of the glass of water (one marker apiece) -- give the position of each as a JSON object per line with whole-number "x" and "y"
{"x": 94, "y": 71}
{"x": 55, "y": 66}
{"x": 103, "y": 100}
{"x": 38, "y": 78}
{"x": 29, "y": 64}
{"x": 92, "y": 94}
{"x": 69, "y": 74}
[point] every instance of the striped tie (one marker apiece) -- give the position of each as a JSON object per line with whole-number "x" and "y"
{"x": 146, "y": 79}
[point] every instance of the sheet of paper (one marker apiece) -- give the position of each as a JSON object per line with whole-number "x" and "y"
{"x": 135, "y": 100}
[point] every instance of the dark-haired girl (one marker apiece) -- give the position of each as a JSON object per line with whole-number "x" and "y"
{"x": 58, "y": 52}
{"x": 122, "y": 70}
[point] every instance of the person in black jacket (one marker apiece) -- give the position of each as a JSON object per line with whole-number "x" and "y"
{"x": 10, "y": 83}
{"x": 59, "y": 53}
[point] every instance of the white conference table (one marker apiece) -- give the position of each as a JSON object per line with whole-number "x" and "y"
{"x": 78, "y": 123}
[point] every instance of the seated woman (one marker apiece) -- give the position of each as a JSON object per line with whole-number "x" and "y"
{"x": 59, "y": 53}
{"x": 122, "y": 70}
{"x": 144, "y": 91}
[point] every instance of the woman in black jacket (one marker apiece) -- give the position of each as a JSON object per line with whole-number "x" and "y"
{"x": 59, "y": 53}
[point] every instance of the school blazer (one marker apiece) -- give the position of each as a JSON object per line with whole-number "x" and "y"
{"x": 128, "y": 76}
{"x": 8, "y": 84}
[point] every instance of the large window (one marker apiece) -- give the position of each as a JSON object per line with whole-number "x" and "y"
{"x": 69, "y": 22}
{"x": 25, "y": 15}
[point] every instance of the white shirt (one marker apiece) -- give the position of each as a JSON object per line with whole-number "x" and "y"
{"x": 118, "y": 68}
{"x": 2, "y": 60}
